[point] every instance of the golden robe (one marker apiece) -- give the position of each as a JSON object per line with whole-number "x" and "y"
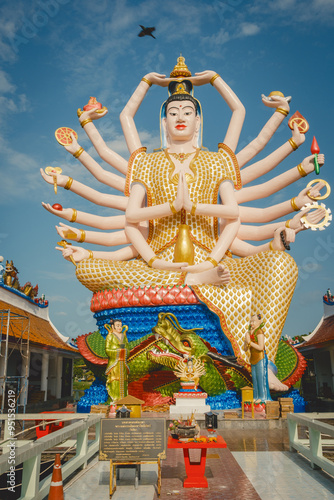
{"x": 262, "y": 283}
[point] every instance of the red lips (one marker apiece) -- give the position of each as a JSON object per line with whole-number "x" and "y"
{"x": 180, "y": 127}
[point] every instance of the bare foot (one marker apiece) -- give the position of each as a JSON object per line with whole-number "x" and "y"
{"x": 219, "y": 275}
{"x": 275, "y": 384}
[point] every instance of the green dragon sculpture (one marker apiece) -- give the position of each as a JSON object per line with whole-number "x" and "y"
{"x": 153, "y": 358}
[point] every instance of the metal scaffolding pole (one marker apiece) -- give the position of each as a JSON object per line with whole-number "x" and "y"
{"x": 21, "y": 324}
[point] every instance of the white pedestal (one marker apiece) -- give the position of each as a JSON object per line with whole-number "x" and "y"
{"x": 187, "y": 403}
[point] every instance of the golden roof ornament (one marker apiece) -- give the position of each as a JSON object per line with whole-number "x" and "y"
{"x": 181, "y": 69}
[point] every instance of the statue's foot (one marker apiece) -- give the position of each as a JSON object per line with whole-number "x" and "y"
{"x": 219, "y": 275}
{"x": 275, "y": 384}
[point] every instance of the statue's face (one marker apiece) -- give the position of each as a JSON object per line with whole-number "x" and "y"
{"x": 117, "y": 327}
{"x": 255, "y": 322}
{"x": 181, "y": 121}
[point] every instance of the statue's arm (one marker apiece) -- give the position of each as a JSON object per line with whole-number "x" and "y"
{"x": 94, "y": 168}
{"x": 96, "y": 238}
{"x": 96, "y": 221}
{"x": 269, "y": 214}
{"x": 226, "y": 210}
{"x": 259, "y": 233}
{"x": 254, "y": 147}
{"x": 79, "y": 253}
{"x": 277, "y": 183}
{"x": 244, "y": 249}
{"x": 107, "y": 154}
{"x": 127, "y": 115}
{"x": 135, "y": 211}
{"x": 228, "y": 233}
{"x": 103, "y": 199}
{"x": 238, "y": 111}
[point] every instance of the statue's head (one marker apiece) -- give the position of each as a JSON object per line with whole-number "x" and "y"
{"x": 255, "y": 320}
{"x": 181, "y": 114}
{"x": 116, "y": 325}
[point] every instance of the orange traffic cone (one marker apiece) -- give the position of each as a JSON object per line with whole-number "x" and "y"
{"x": 56, "y": 488}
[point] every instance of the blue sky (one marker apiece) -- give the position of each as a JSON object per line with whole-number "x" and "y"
{"x": 55, "y": 54}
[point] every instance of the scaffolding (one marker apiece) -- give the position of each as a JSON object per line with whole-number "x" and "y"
{"x": 14, "y": 336}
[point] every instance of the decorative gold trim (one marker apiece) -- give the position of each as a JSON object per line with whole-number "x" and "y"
{"x": 74, "y": 215}
{"x": 150, "y": 262}
{"x": 213, "y": 261}
{"x": 83, "y": 236}
{"x": 193, "y": 209}
{"x": 88, "y": 120}
{"x": 271, "y": 246}
{"x": 301, "y": 171}
{"x": 147, "y": 81}
{"x": 129, "y": 170}
{"x": 91, "y": 256}
{"x": 293, "y": 144}
{"x": 293, "y": 204}
{"x": 214, "y": 78}
{"x": 287, "y": 224}
{"x": 328, "y": 192}
{"x": 68, "y": 183}
{"x": 235, "y": 346}
{"x": 173, "y": 209}
{"x": 78, "y": 152}
{"x": 238, "y": 184}
{"x": 174, "y": 178}
{"x": 283, "y": 111}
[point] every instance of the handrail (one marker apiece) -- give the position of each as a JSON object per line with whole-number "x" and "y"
{"x": 311, "y": 448}
{"x": 30, "y": 454}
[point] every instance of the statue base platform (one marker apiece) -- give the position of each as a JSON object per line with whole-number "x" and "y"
{"x": 187, "y": 403}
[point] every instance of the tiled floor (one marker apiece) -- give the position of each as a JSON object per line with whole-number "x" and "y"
{"x": 256, "y": 465}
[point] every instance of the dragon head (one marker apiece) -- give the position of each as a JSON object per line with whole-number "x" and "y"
{"x": 180, "y": 343}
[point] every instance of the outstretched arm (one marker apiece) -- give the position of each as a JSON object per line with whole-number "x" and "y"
{"x": 80, "y": 254}
{"x": 238, "y": 111}
{"x": 97, "y": 238}
{"x": 102, "y": 199}
{"x": 94, "y": 168}
{"x": 260, "y": 233}
{"x": 244, "y": 249}
{"x": 269, "y": 214}
{"x": 96, "y": 221}
{"x": 254, "y": 147}
{"x": 279, "y": 182}
{"x": 107, "y": 154}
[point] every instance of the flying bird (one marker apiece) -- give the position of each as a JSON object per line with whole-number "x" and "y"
{"x": 146, "y": 31}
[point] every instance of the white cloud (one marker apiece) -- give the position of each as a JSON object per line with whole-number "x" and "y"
{"x": 249, "y": 29}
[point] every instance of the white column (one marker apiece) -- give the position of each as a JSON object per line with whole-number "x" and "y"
{"x": 25, "y": 382}
{"x": 44, "y": 374}
{"x": 59, "y": 376}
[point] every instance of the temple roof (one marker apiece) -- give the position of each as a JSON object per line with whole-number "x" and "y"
{"x": 323, "y": 335}
{"x": 42, "y": 331}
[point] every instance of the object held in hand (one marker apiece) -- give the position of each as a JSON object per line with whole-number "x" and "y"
{"x": 315, "y": 150}
{"x": 285, "y": 244}
{"x": 328, "y": 192}
{"x": 320, "y": 225}
{"x": 53, "y": 171}
{"x": 65, "y": 244}
{"x": 63, "y": 135}
{"x": 300, "y": 121}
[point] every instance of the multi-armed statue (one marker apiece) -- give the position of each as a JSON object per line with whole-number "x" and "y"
{"x": 185, "y": 213}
